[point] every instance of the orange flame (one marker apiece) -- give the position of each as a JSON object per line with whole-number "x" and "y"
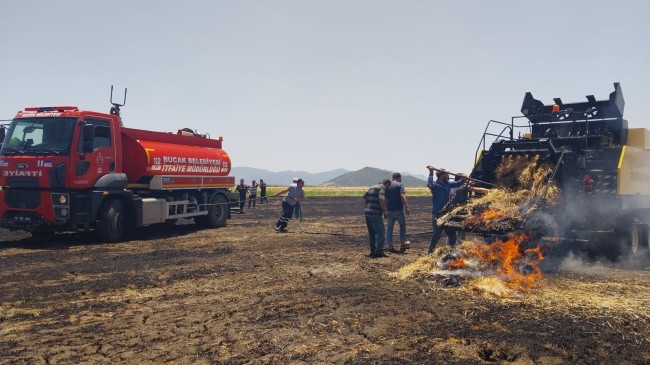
{"x": 518, "y": 267}
{"x": 490, "y": 214}
{"x": 455, "y": 264}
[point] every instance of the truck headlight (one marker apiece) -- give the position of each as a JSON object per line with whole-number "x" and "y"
{"x": 59, "y": 199}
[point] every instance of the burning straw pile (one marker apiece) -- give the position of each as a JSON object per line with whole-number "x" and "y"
{"x": 501, "y": 268}
{"x": 524, "y": 188}
{"x": 507, "y": 265}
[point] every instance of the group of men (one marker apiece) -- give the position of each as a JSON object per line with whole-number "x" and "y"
{"x": 387, "y": 200}
{"x": 251, "y": 190}
{"x": 290, "y": 203}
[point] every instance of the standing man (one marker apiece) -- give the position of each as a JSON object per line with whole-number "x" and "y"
{"x": 440, "y": 193}
{"x": 242, "y": 188}
{"x": 263, "y": 192}
{"x": 396, "y": 205}
{"x": 252, "y": 194}
{"x": 295, "y": 194}
{"x": 297, "y": 212}
{"x": 375, "y": 199}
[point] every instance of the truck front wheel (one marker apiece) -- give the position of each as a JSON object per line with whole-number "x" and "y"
{"x": 112, "y": 221}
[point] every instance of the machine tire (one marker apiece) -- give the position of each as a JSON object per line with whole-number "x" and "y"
{"x": 218, "y": 211}
{"x": 634, "y": 239}
{"x": 643, "y": 247}
{"x": 111, "y": 224}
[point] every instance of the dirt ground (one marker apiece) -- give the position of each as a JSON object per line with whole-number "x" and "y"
{"x": 244, "y": 294}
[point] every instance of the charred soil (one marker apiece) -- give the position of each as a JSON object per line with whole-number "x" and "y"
{"x": 244, "y": 294}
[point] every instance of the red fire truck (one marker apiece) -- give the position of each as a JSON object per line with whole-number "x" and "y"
{"x": 66, "y": 169}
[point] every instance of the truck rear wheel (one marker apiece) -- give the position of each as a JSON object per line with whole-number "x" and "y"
{"x": 112, "y": 221}
{"x": 217, "y": 213}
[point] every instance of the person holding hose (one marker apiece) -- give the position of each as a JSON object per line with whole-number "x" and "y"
{"x": 295, "y": 194}
{"x": 297, "y": 212}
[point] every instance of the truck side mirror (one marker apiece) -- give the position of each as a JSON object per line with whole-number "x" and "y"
{"x": 88, "y": 141}
{"x": 3, "y": 133}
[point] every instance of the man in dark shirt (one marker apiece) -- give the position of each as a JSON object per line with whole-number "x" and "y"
{"x": 242, "y": 188}
{"x": 375, "y": 199}
{"x": 263, "y": 192}
{"x": 396, "y": 206}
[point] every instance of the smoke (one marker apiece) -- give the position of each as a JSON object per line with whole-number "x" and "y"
{"x": 577, "y": 263}
{"x": 584, "y": 262}
{"x": 543, "y": 223}
{"x": 634, "y": 261}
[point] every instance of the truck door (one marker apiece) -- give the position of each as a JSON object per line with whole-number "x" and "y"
{"x": 97, "y": 158}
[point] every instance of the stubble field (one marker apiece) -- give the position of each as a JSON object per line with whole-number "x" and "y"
{"x": 244, "y": 294}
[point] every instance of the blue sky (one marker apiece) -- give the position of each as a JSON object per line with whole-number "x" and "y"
{"x": 319, "y": 85}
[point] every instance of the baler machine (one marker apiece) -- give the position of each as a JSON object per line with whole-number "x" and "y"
{"x": 600, "y": 166}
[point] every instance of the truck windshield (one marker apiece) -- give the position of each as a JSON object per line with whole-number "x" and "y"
{"x": 37, "y": 136}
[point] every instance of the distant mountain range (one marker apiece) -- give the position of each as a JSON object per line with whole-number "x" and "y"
{"x": 340, "y": 177}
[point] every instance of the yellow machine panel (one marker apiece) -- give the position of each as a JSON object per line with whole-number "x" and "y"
{"x": 634, "y": 171}
{"x": 639, "y": 138}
